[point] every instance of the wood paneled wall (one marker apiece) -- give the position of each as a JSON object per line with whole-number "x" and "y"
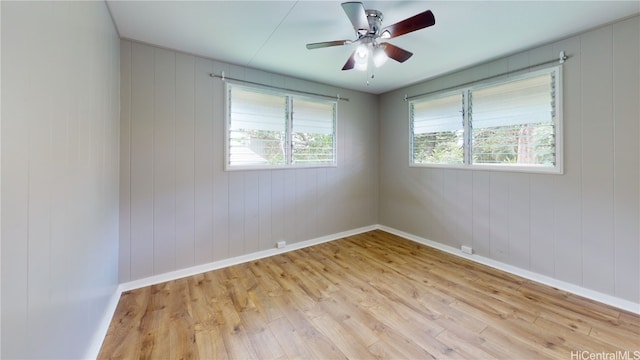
{"x": 178, "y": 208}
{"x": 60, "y": 130}
{"x": 581, "y": 227}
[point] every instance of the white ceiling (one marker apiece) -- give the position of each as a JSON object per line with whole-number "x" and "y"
{"x": 271, "y": 35}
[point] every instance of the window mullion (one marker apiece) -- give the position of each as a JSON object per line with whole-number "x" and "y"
{"x": 468, "y": 115}
{"x": 289, "y": 131}
{"x": 411, "y": 135}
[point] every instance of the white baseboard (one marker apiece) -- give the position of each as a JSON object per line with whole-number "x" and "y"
{"x": 103, "y": 327}
{"x": 546, "y": 280}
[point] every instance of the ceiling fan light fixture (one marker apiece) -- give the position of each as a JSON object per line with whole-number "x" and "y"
{"x": 385, "y": 35}
{"x": 379, "y": 56}
{"x": 361, "y": 57}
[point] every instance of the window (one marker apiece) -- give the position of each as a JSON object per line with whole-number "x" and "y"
{"x": 514, "y": 124}
{"x": 271, "y": 129}
{"x": 438, "y": 130}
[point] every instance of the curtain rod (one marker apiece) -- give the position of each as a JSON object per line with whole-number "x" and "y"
{"x": 223, "y": 77}
{"x": 561, "y": 59}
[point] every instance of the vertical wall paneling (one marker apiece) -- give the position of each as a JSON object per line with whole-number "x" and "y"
{"x": 265, "y": 211}
{"x": 626, "y": 176}
{"x": 124, "y": 248}
{"x": 435, "y": 186}
{"x": 164, "y": 159}
{"x": 542, "y": 216}
{"x": 251, "y": 216}
{"x": 60, "y": 140}
{"x": 323, "y": 207}
{"x": 289, "y": 205}
{"x": 423, "y": 203}
{"x": 464, "y": 219}
{"x": 40, "y": 192}
{"x": 277, "y": 205}
{"x": 312, "y": 198}
{"x": 450, "y": 198}
{"x": 597, "y": 164}
{"x": 301, "y": 197}
{"x": 580, "y": 227}
{"x": 499, "y": 216}
{"x": 519, "y": 220}
{"x": 220, "y": 189}
{"x": 0, "y": 192}
{"x": 481, "y": 213}
{"x": 204, "y": 147}
{"x": 393, "y": 158}
{"x": 15, "y": 180}
{"x": 142, "y": 166}
{"x": 567, "y": 189}
{"x": 184, "y": 161}
{"x": 236, "y": 213}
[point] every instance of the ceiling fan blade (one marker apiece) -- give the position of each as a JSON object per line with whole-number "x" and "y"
{"x": 356, "y": 14}
{"x": 351, "y": 62}
{"x": 324, "y": 44}
{"x": 396, "y": 53}
{"x": 416, "y": 22}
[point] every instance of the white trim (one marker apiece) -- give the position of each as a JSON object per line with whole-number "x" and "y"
{"x": 101, "y": 332}
{"x": 546, "y": 280}
{"x": 198, "y": 269}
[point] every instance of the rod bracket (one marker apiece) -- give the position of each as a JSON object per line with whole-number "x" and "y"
{"x": 562, "y": 57}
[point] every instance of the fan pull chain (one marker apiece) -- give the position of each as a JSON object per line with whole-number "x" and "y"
{"x": 372, "y": 76}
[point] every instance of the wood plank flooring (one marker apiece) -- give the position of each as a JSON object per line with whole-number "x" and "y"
{"x": 373, "y": 295}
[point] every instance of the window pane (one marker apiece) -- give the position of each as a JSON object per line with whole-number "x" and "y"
{"x": 257, "y": 127}
{"x": 438, "y": 130}
{"x": 513, "y": 123}
{"x": 313, "y": 131}
{"x": 524, "y": 144}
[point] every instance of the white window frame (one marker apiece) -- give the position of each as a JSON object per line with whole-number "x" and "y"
{"x": 558, "y": 168}
{"x": 291, "y": 96}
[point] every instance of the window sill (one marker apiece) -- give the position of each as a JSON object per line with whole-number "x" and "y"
{"x": 279, "y": 167}
{"x": 557, "y": 170}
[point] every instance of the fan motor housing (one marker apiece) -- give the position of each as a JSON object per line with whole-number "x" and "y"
{"x": 375, "y": 21}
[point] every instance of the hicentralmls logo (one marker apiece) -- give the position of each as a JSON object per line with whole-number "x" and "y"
{"x": 615, "y": 355}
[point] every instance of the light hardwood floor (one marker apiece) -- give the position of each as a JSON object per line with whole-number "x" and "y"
{"x": 373, "y": 295}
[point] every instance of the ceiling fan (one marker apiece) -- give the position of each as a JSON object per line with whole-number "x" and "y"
{"x": 367, "y": 24}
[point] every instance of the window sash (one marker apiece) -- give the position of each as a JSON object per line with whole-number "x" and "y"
{"x": 314, "y": 117}
{"x": 510, "y": 122}
{"x": 524, "y": 101}
{"x": 313, "y": 139}
{"x": 437, "y": 129}
{"x": 257, "y": 110}
{"x": 440, "y": 114}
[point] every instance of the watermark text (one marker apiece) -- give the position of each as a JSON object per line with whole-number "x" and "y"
{"x": 605, "y": 355}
